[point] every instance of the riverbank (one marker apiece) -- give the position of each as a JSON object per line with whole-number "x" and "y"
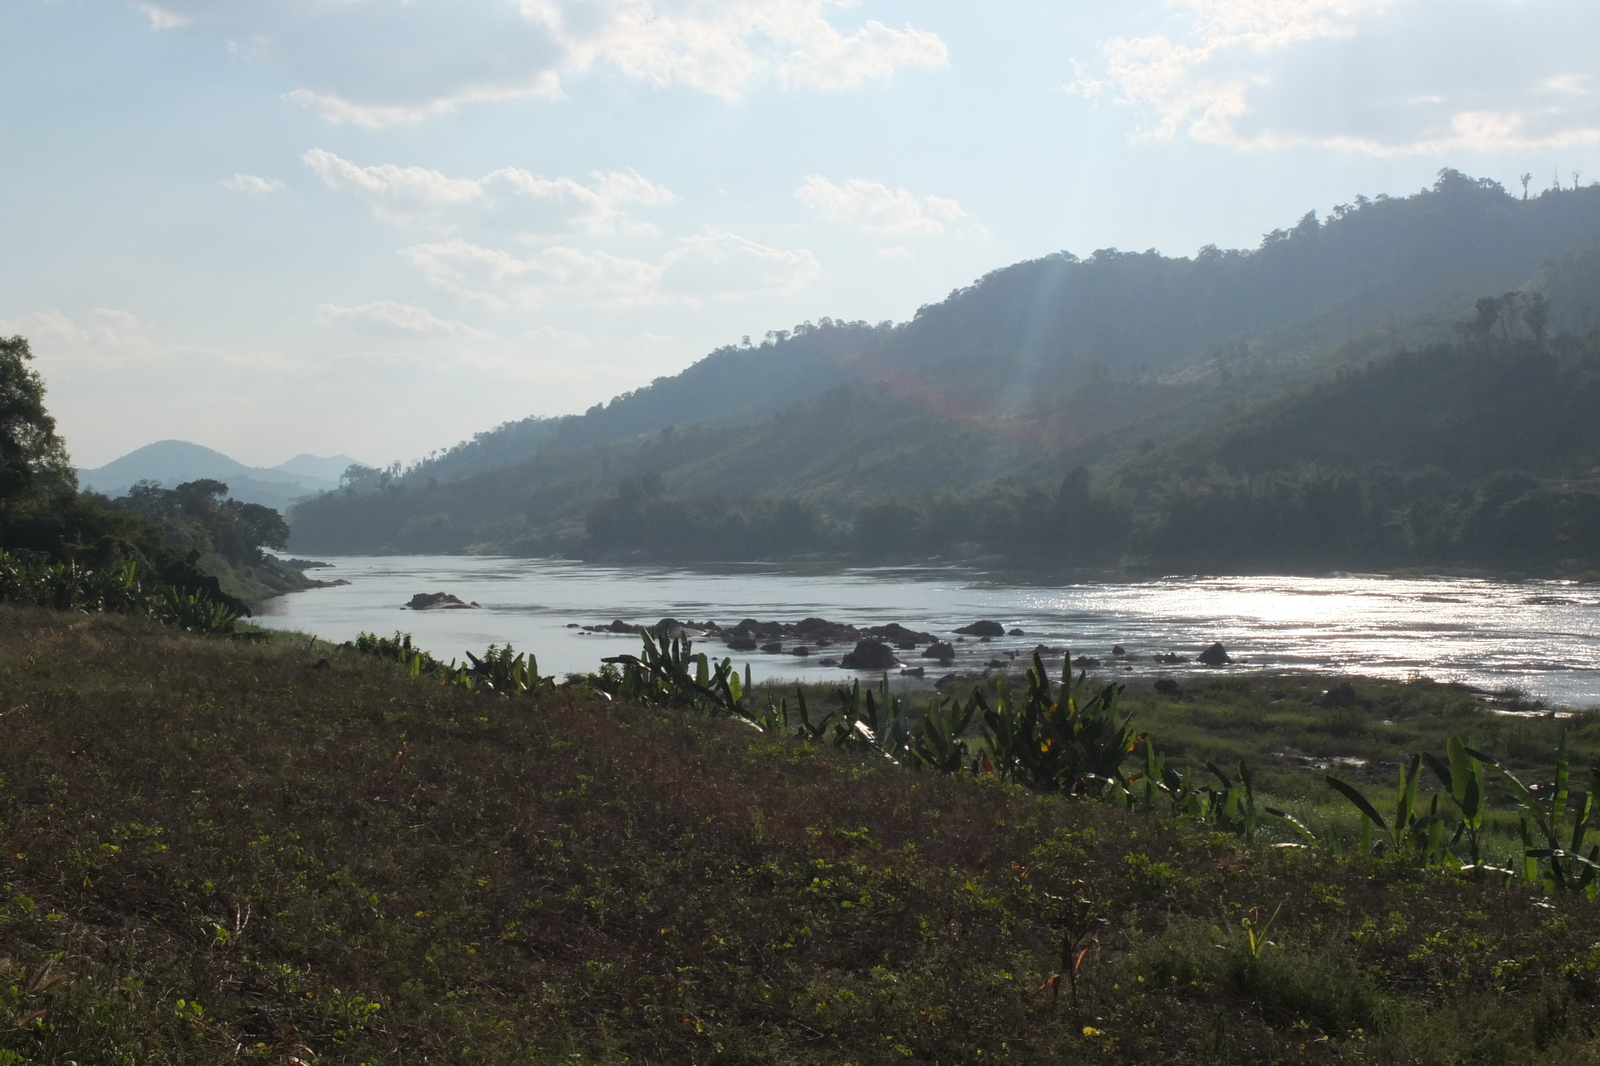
{"x": 263, "y": 851}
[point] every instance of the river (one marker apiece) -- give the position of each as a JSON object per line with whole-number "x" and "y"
{"x": 1541, "y": 637}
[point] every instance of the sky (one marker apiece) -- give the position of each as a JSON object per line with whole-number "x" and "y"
{"x": 376, "y": 227}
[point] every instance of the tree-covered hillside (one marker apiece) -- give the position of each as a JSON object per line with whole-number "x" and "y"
{"x": 1155, "y": 373}
{"x": 1047, "y": 325}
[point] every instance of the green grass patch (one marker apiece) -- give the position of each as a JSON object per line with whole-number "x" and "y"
{"x": 216, "y": 851}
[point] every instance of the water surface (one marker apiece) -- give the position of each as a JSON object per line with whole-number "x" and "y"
{"x": 1541, "y": 637}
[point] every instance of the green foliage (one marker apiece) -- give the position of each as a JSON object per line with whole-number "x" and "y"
{"x": 1311, "y": 984}
{"x": 32, "y": 581}
{"x": 1554, "y": 856}
{"x": 499, "y": 670}
{"x": 33, "y": 460}
{"x": 199, "y": 516}
{"x": 1065, "y": 739}
{"x": 239, "y": 852}
{"x": 1284, "y": 441}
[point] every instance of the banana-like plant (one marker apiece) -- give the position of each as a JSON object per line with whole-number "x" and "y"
{"x": 1064, "y": 739}
{"x": 1409, "y": 832}
{"x": 36, "y": 581}
{"x": 1232, "y": 809}
{"x": 1462, "y": 778}
{"x": 671, "y": 673}
{"x": 937, "y": 740}
{"x": 1553, "y": 854}
{"x": 501, "y": 670}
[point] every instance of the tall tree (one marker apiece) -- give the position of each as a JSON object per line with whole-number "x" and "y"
{"x": 33, "y": 460}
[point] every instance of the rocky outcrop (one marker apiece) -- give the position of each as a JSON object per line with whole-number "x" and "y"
{"x": 438, "y": 601}
{"x": 941, "y": 650}
{"x": 1216, "y": 655}
{"x": 898, "y": 635}
{"x": 983, "y": 629}
{"x": 617, "y": 626}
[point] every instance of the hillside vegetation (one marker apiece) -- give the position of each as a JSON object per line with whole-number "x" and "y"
{"x": 232, "y": 852}
{"x": 812, "y": 440}
{"x": 1159, "y": 376}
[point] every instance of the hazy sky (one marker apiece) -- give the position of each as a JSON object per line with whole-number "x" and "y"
{"x": 378, "y": 226}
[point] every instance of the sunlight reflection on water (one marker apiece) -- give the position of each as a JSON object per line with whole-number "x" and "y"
{"x": 1542, "y": 637}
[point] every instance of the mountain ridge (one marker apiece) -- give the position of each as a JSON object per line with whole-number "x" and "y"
{"x": 171, "y": 462}
{"x": 988, "y": 385}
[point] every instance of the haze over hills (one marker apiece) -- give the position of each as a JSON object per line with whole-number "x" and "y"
{"x": 172, "y": 462}
{"x": 1112, "y": 362}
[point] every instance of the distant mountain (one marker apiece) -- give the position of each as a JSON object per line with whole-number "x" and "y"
{"x": 1032, "y": 370}
{"x": 166, "y": 461}
{"x": 320, "y": 467}
{"x": 172, "y": 462}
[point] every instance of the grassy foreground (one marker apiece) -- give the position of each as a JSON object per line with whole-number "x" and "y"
{"x": 213, "y": 852}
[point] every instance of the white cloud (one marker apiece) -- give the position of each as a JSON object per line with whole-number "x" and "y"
{"x": 875, "y": 208}
{"x": 722, "y": 266}
{"x": 392, "y": 189}
{"x": 379, "y": 63}
{"x": 721, "y": 46}
{"x": 596, "y": 208}
{"x": 252, "y": 185}
{"x": 509, "y": 196}
{"x": 67, "y": 347}
{"x": 708, "y": 267}
{"x": 341, "y": 111}
{"x": 1278, "y": 73}
{"x": 160, "y": 18}
{"x": 389, "y": 317}
{"x": 1173, "y": 78}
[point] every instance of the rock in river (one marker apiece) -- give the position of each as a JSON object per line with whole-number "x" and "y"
{"x": 438, "y": 601}
{"x": 871, "y": 655}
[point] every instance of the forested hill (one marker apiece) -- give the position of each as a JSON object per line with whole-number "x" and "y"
{"x": 732, "y": 384}
{"x": 1118, "y": 361}
{"x": 1042, "y": 327}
